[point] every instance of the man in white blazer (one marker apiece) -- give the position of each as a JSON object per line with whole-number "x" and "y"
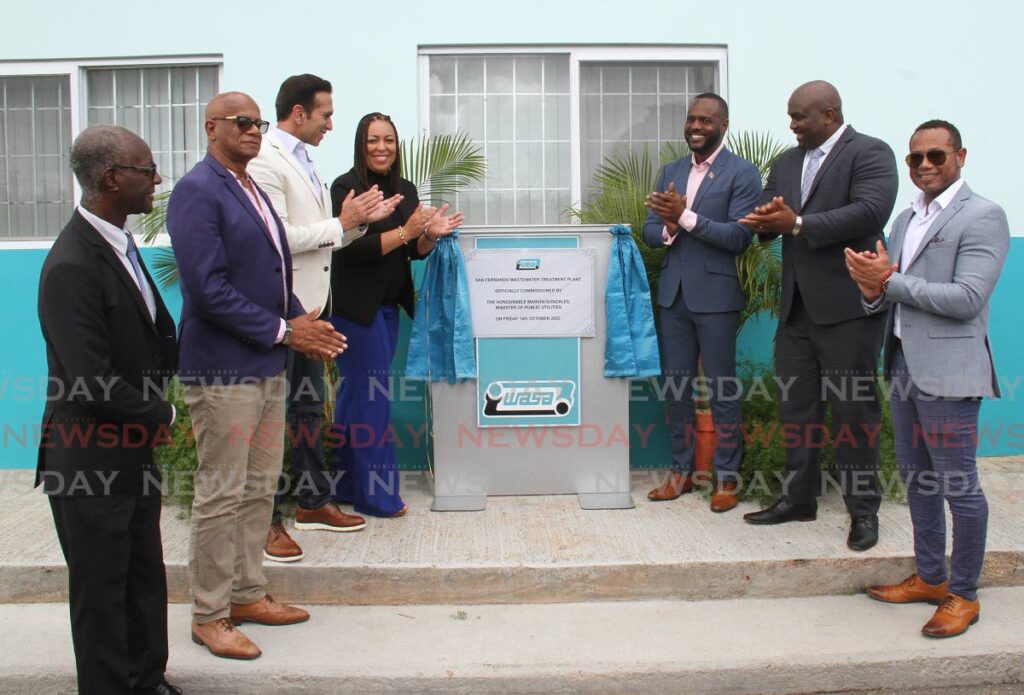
{"x": 946, "y": 253}
{"x": 285, "y": 171}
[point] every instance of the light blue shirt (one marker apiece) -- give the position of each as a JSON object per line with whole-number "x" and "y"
{"x": 297, "y": 149}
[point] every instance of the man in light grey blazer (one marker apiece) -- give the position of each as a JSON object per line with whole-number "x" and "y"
{"x": 285, "y": 171}
{"x": 947, "y": 251}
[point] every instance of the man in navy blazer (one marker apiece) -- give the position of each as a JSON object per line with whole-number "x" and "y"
{"x": 836, "y": 189}
{"x": 699, "y": 291}
{"x": 239, "y": 317}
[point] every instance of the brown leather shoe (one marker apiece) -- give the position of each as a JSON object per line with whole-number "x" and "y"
{"x": 280, "y": 547}
{"x": 267, "y": 611}
{"x": 953, "y": 616}
{"x": 675, "y": 485}
{"x": 913, "y": 589}
{"x": 327, "y": 518}
{"x": 222, "y": 639}
{"x": 724, "y": 497}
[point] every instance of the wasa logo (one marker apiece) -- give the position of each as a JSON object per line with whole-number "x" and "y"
{"x": 524, "y": 398}
{"x": 528, "y": 264}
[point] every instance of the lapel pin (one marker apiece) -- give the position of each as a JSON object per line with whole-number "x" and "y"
{"x": 711, "y": 174}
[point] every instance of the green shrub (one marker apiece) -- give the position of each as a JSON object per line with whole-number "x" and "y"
{"x": 764, "y": 453}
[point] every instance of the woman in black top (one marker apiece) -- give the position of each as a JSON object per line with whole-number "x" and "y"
{"x": 370, "y": 279}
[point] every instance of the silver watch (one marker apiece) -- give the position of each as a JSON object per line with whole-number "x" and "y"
{"x": 798, "y": 226}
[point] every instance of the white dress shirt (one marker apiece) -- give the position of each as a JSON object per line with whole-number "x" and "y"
{"x": 115, "y": 236}
{"x": 825, "y": 148}
{"x": 917, "y": 227}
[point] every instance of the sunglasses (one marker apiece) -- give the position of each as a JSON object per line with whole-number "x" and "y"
{"x": 936, "y": 157}
{"x": 149, "y": 171}
{"x": 244, "y": 123}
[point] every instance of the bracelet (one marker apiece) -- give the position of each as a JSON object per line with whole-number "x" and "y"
{"x": 401, "y": 234}
{"x": 426, "y": 233}
{"x": 883, "y": 285}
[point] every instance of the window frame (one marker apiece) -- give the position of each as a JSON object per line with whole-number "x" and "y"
{"x": 76, "y": 69}
{"x": 578, "y": 53}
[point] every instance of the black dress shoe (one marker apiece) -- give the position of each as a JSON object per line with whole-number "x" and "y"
{"x": 863, "y": 533}
{"x": 781, "y": 512}
{"x": 163, "y": 688}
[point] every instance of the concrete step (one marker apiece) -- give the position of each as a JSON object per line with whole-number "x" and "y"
{"x": 545, "y": 549}
{"x": 797, "y": 645}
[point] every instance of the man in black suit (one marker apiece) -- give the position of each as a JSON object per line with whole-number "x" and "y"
{"x": 110, "y": 348}
{"x": 836, "y": 189}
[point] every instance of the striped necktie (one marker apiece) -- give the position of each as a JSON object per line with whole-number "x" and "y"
{"x": 812, "y": 169}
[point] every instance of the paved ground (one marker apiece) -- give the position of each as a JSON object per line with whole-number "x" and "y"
{"x": 820, "y": 644}
{"x": 546, "y": 549}
{"x": 535, "y": 595}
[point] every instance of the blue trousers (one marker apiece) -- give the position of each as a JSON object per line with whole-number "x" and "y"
{"x": 685, "y": 336}
{"x": 936, "y": 440}
{"x": 305, "y": 411}
{"x": 363, "y": 439}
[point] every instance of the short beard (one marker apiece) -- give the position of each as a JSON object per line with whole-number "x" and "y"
{"x": 709, "y": 146}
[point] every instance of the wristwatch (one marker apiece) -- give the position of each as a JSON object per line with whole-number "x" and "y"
{"x": 798, "y": 226}
{"x": 287, "y": 338}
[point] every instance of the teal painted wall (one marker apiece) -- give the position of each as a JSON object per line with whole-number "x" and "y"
{"x": 23, "y": 375}
{"x": 892, "y": 76}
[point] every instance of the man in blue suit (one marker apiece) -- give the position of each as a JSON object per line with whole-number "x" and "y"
{"x": 238, "y": 319}
{"x": 699, "y": 291}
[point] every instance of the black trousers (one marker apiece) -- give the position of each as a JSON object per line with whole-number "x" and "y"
{"x": 117, "y": 589}
{"x": 835, "y": 365}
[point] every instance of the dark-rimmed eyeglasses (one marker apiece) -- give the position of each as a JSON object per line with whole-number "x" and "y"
{"x": 149, "y": 171}
{"x": 244, "y": 123}
{"x": 936, "y": 157}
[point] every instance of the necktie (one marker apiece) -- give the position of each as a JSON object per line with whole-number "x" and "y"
{"x": 140, "y": 277}
{"x": 812, "y": 169}
{"x": 310, "y": 171}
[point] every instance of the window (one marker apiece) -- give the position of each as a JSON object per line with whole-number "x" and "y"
{"x": 162, "y": 100}
{"x": 35, "y": 137}
{"x": 164, "y": 106}
{"x": 546, "y": 117}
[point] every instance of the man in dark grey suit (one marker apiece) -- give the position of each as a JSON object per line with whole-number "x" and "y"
{"x": 836, "y": 189}
{"x": 699, "y": 291}
{"x": 948, "y": 249}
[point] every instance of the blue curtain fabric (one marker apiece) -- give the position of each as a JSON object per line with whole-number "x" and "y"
{"x": 441, "y": 346}
{"x": 631, "y": 342}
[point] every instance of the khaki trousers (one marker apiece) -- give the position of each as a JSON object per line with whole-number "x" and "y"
{"x": 239, "y": 432}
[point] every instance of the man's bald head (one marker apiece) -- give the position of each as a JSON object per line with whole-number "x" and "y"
{"x": 233, "y": 129}
{"x": 229, "y": 104}
{"x": 815, "y": 113}
{"x": 820, "y": 94}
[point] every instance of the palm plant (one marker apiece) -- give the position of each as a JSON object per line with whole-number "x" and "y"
{"x": 440, "y": 166}
{"x": 623, "y": 179}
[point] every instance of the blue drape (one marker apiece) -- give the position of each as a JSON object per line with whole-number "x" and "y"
{"x": 631, "y": 342}
{"x": 441, "y": 346}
